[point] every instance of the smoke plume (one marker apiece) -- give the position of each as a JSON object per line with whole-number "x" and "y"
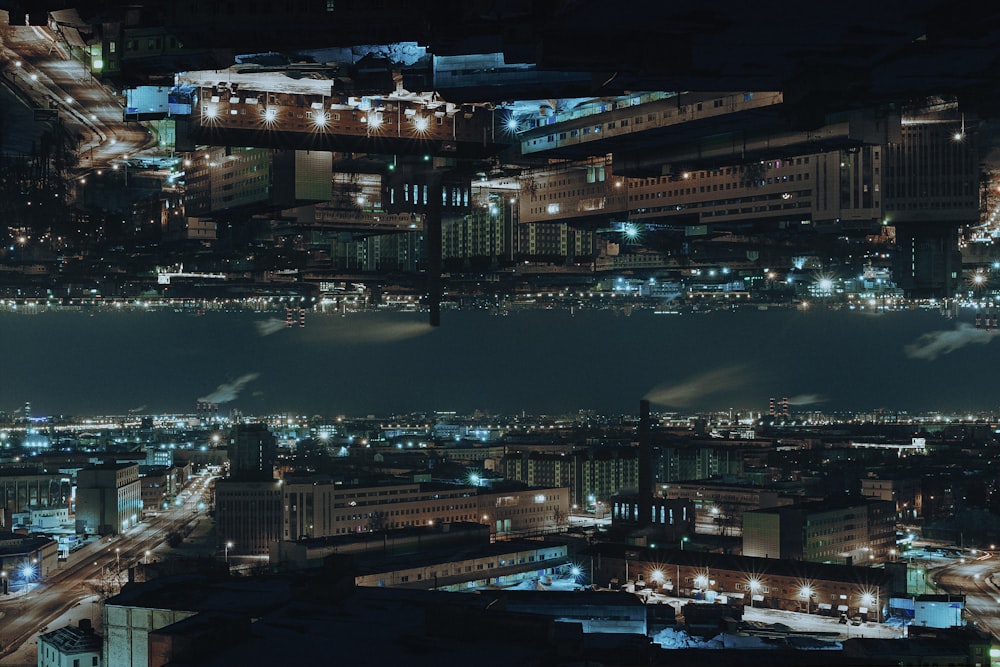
{"x": 228, "y": 391}
{"x": 269, "y": 326}
{"x": 930, "y": 345}
{"x": 696, "y": 388}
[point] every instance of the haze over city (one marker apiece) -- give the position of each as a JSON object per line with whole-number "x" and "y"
{"x": 534, "y": 361}
{"x": 496, "y": 333}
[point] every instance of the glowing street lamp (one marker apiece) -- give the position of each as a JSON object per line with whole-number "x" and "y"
{"x": 3, "y": 582}
{"x": 229, "y": 545}
{"x": 807, "y": 593}
{"x": 753, "y": 583}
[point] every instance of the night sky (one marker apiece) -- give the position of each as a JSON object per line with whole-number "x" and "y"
{"x": 70, "y": 362}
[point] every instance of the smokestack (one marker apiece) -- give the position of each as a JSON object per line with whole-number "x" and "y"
{"x": 645, "y": 466}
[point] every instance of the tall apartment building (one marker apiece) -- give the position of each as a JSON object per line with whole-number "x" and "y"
{"x": 604, "y": 473}
{"x": 108, "y": 498}
{"x": 697, "y": 460}
{"x": 486, "y": 233}
{"x": 846, "y": 533}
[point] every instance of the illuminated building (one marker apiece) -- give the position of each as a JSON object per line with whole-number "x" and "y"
{"x": 318, "y": 508}
{"x": 826, "y": 589}
{"x": 108, "y": 498}
{"x": 718, "y": 508}
{"x": 823, "y": 532}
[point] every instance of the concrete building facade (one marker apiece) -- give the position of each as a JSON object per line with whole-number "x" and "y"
{"x": 845, "y": 533}
{"x": 248, "y": 515}
{"x": 108, "y": 498}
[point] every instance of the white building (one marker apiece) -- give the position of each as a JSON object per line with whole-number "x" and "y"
{"x": 70, "y": 646}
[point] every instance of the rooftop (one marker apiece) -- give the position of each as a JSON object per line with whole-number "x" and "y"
{"x": 71, "y": 639}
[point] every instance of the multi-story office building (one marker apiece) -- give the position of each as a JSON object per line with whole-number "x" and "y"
{"x": 252, "y": 452}
{"x": 903, "y": 491}
{"x": 108, "y": 498}
{"x": 846, "y": 533}
{"x": 224, "y": 179}
{"x": 718, "y": 507}
{"x": 248, "y": 515}
{"x": 931, "y": 189}
{"x": 318, "y": 508}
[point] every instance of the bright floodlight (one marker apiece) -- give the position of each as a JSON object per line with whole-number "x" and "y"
{"x": 656, "y": 575}
{"x": 28, "y": 571}
{"x": 754, "y": 584}
{"x": 631, "y": 231}
{"x": 319, "y": 119}
{"x": 374, "y": 120}
{"x": 575, "y": 571}
{"x": 211, "y": 112}
{"x": 978, "y": 278}
{"x": 420, "y": 123}
{"x": 806, "y": 592}
{"x": 825, "y": 284}
{"x": 512, "y": 123}
{"x": 270, "y": 115}
{"x": 701, "y": 581}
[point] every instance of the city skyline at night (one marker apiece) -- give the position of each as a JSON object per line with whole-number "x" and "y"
{"x": 499, "y": 332}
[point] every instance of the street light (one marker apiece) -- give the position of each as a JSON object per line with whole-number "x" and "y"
{"x": 229, "y": 545}
{"x": 683, "y": 540}
{"x": 754, "y": 585}
{"x": 3, "y": 577}
{"x": 807, "y": 593}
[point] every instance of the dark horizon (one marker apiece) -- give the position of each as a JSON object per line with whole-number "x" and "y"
{"x": 540, "y": 362}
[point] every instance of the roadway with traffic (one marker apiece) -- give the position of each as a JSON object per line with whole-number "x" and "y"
{"x": 38, "y": 68}
{"x": 30, "y": 612}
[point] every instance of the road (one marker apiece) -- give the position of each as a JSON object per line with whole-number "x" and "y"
{"x": 106, "y": 561}
{"x": 973, "y": 578}
{"x": 38, "y": 67}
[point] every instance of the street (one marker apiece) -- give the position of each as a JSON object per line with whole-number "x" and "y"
{"x": 43, "y": 75}
{"x": 103, "y": 561}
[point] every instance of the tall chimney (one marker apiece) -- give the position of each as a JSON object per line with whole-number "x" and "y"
{"x": 645, "y": 466}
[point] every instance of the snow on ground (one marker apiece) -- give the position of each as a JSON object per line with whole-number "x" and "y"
{"x": 27, "y": 653}
{"x": 672, "y": 638}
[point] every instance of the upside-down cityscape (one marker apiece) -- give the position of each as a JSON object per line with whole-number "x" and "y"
{"x": 725, "y": 279}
